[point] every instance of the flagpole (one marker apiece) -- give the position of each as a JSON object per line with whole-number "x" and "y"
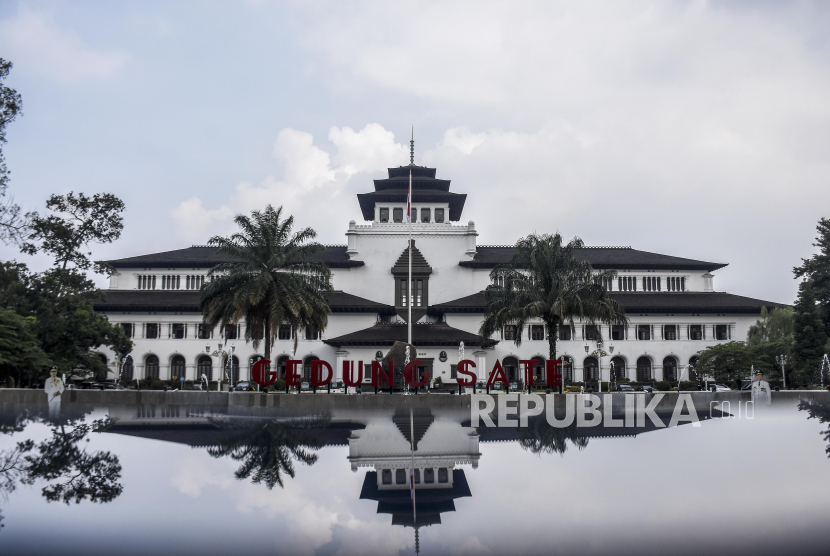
{"x": 412, "y": 471}
{"x": 409, "y": 221}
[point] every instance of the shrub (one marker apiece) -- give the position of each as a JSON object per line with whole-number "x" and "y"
{"x": 278, "y": 385}
{"x": 663, "y": 386}
{"x": 158, "y": 385}
{"x": 624, "y": 381}
{"x": 437, "y": 382}
{"x": 688, "y": 385}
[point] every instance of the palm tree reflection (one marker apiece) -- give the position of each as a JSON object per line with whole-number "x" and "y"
{"x": 268, "y": 450}
{"x": 541, "y": 438}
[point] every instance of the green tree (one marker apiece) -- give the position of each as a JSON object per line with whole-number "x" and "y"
{"x": 728, "y": 363}
{"x": 772, "y": 326}
{"x": 12, "y": 224}
{"x": 20, "y": 353}
{"x": 65, "y": 322}
{"x": 816, "y": 271}
{"x": 273, "y": 280}
{"x": 545, "y": 281}
{"x": 809, "y": 335}
{"x": 75, "y": 222}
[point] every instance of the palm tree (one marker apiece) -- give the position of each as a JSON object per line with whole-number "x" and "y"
{"x": 273, "y": 280}
{"x": 544, "y": 280}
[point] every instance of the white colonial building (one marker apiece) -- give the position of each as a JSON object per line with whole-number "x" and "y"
{"x": 671, "y": 302}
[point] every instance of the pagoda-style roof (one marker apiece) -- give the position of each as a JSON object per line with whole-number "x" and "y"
{"x": 202, "y": 256}
{"x": 423, "y": 334}
{"x": 641, "y": 302}
{"x": 369, "y": 200}
{"x": 184, "y": 301}
{"x": 430, "y": 503}
{"x": 623, "y": 258}
{"x": 420, "y": 266}
{"x": 423, "y": 178}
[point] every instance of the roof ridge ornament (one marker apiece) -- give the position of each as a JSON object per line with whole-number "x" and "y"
{"x": 412, "y": 148}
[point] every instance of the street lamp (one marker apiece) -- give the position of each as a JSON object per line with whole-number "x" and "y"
{"x": 599, "y": 353}
{"x": 782, "y": 360}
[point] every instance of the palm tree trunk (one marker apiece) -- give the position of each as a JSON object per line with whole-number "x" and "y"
{"x": 553, "y": 335}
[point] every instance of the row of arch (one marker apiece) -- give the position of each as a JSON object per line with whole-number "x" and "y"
{"x": 204, "y": 366}
{"x": 644, "y": 368}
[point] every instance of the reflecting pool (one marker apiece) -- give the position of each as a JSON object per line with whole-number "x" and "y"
{"x": 188, "y": 479}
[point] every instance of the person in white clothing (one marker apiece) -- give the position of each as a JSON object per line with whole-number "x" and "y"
{"x": 54, "y": 388}
{"x": 761, "y": 390}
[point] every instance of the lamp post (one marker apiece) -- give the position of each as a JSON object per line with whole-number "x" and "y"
{"x": 782, "y": 360}
{"x": 599, "y": 353}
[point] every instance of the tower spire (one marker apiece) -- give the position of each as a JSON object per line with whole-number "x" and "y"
{"x": 412, "y": 148}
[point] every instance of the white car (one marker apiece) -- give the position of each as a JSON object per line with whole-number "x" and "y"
{"x": 721, "y": 388}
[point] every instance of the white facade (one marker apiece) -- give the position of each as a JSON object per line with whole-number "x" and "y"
{"x": 682, "y": 312}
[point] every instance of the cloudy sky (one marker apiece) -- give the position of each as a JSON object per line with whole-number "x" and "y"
{"x": 697, "y": 129}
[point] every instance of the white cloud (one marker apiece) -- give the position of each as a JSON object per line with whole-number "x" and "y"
{"x": 37, "y": 45}
{"x": 309, "y": 185}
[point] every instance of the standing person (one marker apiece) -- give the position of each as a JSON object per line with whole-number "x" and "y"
{"x": 54, "y": 388}
{"x": 760, "y": 390}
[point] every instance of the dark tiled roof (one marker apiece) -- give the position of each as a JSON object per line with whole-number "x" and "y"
{"x": 437, "y": 334}
{"x": 422, "y": 178}
{"x": 642, "y": 302}
{"x": 200, "y": 256}
{"x": 182, "y": 301}
{"x": 600, "y": 258}
{"x": 456, "y": 200}
{"x": 420, "y": 266}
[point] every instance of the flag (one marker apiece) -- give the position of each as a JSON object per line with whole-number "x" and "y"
{"x": 409, "y": 198}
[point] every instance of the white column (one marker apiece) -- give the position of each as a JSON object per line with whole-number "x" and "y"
{"x": 482, "y": 371}
{"x": 338, "y": 370}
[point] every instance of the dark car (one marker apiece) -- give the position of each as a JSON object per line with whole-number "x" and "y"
{"x": 624, "y": 388}
{"x": 245, "y": 387}
{"x": 646, "y": 388}
{"x": 90, "y": 385}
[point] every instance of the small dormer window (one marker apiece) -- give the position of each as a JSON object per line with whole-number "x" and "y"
{"x": 384, "y": 215}
{"x": 425, "y": 215}
{"x": 439, "y": 216}
{"x": 397, "y": 215}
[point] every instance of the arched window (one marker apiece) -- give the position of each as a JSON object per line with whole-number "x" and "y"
{"x": 538, "y": 370}
{"x": 234, "y": 369}
{"x": 618, "y": 367}
{"x": 590, "y": 369}
{"x": 567, "y": 368}
{"x": 127, "y": 369}
{"x": 282, "y": 363}
{"x": 511, "y": 369}
{"x": 692, "y": 365}
{"x": 307, "y": 367}
{"x": 670, "y": 369}
{"x": 151, "y": 367}
{"x": 177, "y": 366}
{"x": 643, "y": 369}
{"x": 204, "y": 366}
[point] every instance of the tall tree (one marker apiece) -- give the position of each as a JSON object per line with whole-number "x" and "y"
{"x": 816, "y": 271}
{"x": 773, "y": 326}
{"x": 75, "y": 222}
{"x": 545, "y": 281}
{"x": 20, "y": 353}
{"x": 273, "y": 280}
{"x": 12, "y": 224}
{"x": 809, "y": 335}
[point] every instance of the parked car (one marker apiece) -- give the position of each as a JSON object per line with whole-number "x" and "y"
{"x": 245, "y": 387}
{"x": 646, "y": 388}
{"x": 720, "y": 388}
{"x": 624, "y": 388}
{"x": 90, "y": 385}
